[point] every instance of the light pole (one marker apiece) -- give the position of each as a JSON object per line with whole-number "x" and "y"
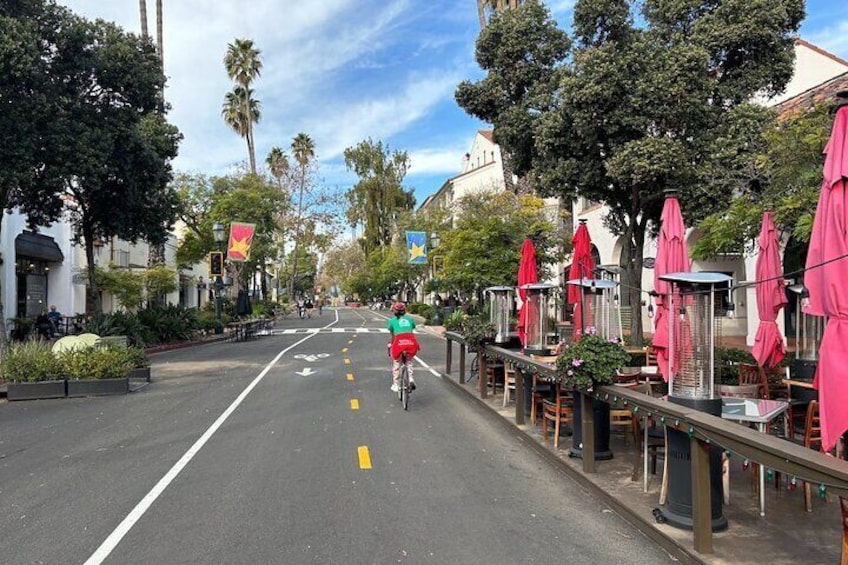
{"x": 437, "y": 301}
{"x": 219, "y": 232}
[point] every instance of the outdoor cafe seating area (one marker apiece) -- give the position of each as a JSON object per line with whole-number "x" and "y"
{"x": 702, "y": 457}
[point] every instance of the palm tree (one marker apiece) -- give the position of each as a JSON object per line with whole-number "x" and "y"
{"x": 484, "y": 6}
{"x": 142, "y": 9}
{"x": 303, "y": 149}
{"x": 237, "y": 104}
{"x": 278, "y": 164}
{"x": 243, "y": 66}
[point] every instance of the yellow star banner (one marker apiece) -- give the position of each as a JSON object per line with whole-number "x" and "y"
{"x": 416, "y": 245}
{"x": 241, "y": 237}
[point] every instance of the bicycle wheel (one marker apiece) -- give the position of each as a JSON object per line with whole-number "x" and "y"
{"x": 475, "y": 368}
{"x": 404, "y": 387}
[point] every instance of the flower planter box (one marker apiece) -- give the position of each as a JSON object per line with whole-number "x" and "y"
{"x": 36, "y": 390}
{"x": 140, "y": 373}
{"x": 99, "y": 387}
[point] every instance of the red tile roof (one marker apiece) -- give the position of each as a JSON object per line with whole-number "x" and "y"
{"x": 819, "y": 94}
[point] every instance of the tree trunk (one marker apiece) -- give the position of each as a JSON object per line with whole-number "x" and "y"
{"x": 481, "y": 13}
{"x": 92, "y": 288}
{"x": 297, "y": 234}
{"x": 631, "y": 277}
{"x": 159, "y": 42}
{"x": 250, "y": 146}
{"x": 142, "y": 9}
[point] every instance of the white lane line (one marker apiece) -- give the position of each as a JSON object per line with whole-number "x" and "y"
{"x": 136, "y": 513}
{"x": 428, "y": 367}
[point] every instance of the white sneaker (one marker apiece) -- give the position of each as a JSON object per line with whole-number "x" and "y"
{"x": 395, "y": 387}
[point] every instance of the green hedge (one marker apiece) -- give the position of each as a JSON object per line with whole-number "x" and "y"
{"x": 34, "y": 361}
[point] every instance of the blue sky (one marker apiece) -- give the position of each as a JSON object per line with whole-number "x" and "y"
{"x": 342, "y": 71}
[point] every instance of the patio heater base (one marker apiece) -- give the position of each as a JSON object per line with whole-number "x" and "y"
{"x": 601, "y": 414}
{"x": 678, "y": 510}
{"x": 805, "y": 370}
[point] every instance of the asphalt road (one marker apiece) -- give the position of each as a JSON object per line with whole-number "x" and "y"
{"x": 259, "y": 452}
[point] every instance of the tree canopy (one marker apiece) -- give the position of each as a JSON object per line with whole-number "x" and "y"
{"x": 378, "y": 198}
{"x": 659, "y": 105}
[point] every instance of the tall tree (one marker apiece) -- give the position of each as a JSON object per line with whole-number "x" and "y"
{"x": 31, "y": 36}
{"x": 521, "y": 50}
{"x": 243, "y": 66}
{"x": 117, "y": 146}
{"x": 378, "y": 198}
{"x": 303, "y": 149}
{"x": 660, "y": 105}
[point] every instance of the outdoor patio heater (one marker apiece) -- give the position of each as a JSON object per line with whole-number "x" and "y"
{"x": 613, "y": 273}
{"x": 691, "y": 382}
{"x": 536, "y": 327}
{"x": 599, "y": 306}
{"x": 596, "y": 310}
{"x": 500, "y": 309}
{"x": 809, "y": 330}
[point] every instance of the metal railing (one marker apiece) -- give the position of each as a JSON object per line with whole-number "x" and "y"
{"x": 703, "y": 430}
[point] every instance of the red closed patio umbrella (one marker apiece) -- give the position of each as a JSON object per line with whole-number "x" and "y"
{"x": 582, "y": 267}
{"x": 768, "y": 347}
{"x": 825, "y": 277}
{"x": 672, "y": 257}
{"x": 527, "y": 274}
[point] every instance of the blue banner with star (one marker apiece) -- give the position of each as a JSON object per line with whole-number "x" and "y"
{"x": 416, "y": 245}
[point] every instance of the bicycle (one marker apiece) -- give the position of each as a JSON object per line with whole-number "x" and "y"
{"x": 405, "y": 388}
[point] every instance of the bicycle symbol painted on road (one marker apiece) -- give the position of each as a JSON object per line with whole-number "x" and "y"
{"x": 311, "y": 357}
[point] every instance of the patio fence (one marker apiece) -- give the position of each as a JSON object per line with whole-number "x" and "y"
{"x": 703, "y": 430}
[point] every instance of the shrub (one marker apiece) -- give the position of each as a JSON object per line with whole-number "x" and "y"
{"x": 413, "y": 308}
{"x": 94, "y": 363}
{"x": 30, "y": 361}
{"x": 477, "y": 331}
{"x": 455, "y": 320}
{"x": 591, "y": 360}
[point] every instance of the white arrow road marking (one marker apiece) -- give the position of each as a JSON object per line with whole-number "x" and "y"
{"x": 304, "y": 373}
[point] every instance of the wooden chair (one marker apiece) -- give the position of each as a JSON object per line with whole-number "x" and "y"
{"x": 650, "y": 357}
{"x": 509, "y": 382}
{"x": 559, "y": 411}
{"x": 621, "y": 421}
{"x": 739, "y": 391}
{"x": 754, "y": 375}
{"x": 812, "y": 440}
{"x": 540, "y": 389}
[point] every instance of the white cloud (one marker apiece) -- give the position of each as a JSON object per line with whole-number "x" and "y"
{"x": 560, "y": 6}
{"x": 432, "y": 161}
{"x": 833, "y": 38}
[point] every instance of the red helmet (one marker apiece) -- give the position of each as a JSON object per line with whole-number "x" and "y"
{"x": 399, "y": 308}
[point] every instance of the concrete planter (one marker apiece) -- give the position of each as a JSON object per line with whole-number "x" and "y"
{"x": 140, "y": 373}
{"x": 100, "y": 387}
{"x": 36, "y": 390}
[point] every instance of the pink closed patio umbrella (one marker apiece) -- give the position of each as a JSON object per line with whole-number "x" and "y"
{"x": 527, "y": 274}
{"x": 582, "y": 267}
{"x": 768, "y": 347}
{"x": 825, "y": 277}
{"x": 672, "y": 257}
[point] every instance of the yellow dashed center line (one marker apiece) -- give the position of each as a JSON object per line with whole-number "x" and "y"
{"x": 354, "y": 404}
{"x": 347, "y": 361}
{"x": 350, "y": 342}
{"x": 350, "y": 376}
{"x": 344, "y": 350}
{"x": 364, "y": 457}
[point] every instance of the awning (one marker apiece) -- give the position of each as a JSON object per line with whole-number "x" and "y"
{"x": 37, "y": 246}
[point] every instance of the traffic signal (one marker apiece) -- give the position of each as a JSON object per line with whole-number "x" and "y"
{"x": 216, "y": 264}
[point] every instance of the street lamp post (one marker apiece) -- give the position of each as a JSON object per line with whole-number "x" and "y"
{"x": 437, "y": 316}
{"x": 220, "y": 234}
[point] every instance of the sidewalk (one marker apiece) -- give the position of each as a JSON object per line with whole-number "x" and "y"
{"x": 786, "y": 535}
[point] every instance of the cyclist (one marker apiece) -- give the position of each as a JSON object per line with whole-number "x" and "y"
{"x": 401, "y": 327}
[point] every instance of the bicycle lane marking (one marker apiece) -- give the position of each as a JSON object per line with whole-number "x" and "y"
{"x": 112, "y": 541}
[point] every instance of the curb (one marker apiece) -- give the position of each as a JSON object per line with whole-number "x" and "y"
{"x": 646, "y": 527}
